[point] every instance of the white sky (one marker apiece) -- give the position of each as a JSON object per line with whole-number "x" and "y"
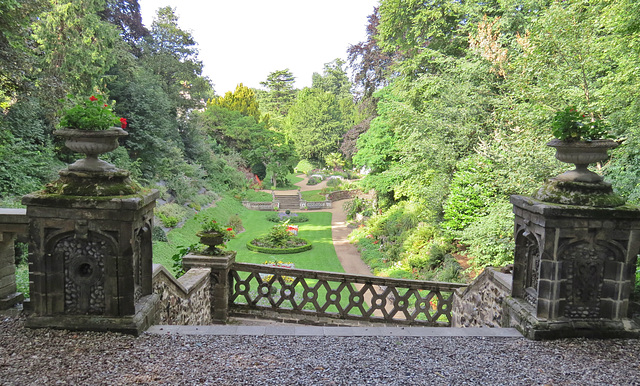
{"x": 242, "y": 41}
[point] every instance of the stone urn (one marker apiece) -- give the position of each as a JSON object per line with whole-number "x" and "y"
{"x": 92, "y": 143}
{"x": 581, "y": 154}
{"x": 580, "y": 186}
{"x": 212, "y": 240}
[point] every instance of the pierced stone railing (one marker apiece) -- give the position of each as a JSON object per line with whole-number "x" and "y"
{"x": 327, "y": 297}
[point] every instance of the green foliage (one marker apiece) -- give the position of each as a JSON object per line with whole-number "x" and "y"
{"x": 281, "y": 93}
{"x": 304, "y": 166}
{"x": 335, "y": 161}
{"x": 281, "y": 250}
{"x": 158, "y": 234}
{"x": 171, "y": 214}
{"x": 313, "y": 181}
{"x": 490, "y": 237}
{"x": 333, "y": 80}
{"x": 182, "y": 251}
{"x": 243, "y": 100}
{"x": 316, "y": 124}
{"x": 292, "y": 218}
{"x": 468, "y": 195}
{"x": 90, "y": 113}
{"x": 569, "y": 124}
{"x": 77, "y": 47}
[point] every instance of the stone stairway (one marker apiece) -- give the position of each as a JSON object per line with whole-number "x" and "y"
{"x": 288, "y": 201}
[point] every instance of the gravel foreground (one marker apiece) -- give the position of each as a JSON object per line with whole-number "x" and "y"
{"x": 47, "y": 357}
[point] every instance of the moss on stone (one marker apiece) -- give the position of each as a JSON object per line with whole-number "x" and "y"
{"x": 598, "y": 195}
{"x": 92, "y": 184}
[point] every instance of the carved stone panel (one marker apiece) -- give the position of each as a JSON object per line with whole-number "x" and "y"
{"x": 84, "y": 272}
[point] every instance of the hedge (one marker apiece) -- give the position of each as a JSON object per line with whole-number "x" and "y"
{"x": 279, "y": 251}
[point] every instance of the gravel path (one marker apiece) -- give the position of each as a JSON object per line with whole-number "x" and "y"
{"x": 47, "y": 357}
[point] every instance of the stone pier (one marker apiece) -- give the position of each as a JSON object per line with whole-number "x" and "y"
{"x": 574, "y": 270}
{"x": 13, "y": 222}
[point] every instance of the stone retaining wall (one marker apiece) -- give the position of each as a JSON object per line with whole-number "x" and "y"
{"x": 260, "y": 205}
{"x": 342, "y": 195}
{"x": 315, "y": 204}
{"x": 183, "y": 301}
{"x": 480, "y": 304}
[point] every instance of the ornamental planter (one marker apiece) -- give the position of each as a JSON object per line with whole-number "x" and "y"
{"x": 92, "y": 143}
{"x": 581, "y": 154}
{"x": 212, "y": 240}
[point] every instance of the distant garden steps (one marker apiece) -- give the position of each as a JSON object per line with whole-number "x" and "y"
{"x": 288, "y": 200}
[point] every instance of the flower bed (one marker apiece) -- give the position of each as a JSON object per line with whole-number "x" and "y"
{"x": 295, "y": 245}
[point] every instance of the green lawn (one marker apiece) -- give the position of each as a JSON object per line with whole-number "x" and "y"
{"x": 259, "y": 196}
{"x": 313, "y": 195}
{"x": 317, "y": 230}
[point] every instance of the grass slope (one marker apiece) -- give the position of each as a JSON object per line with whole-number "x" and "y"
{"x": 317, "y": 230}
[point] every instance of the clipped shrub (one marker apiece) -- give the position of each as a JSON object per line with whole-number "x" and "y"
{"x": 313, "y": 181}
{"x": 158, "y": 234}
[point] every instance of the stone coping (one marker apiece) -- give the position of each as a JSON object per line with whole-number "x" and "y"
{"x": 301, "y": 330}
{"x": 187, "y": 282}
{"x": 551, "y": 210}
{"x": 13, "y": 216}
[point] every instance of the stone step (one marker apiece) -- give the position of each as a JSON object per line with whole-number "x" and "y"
{"x": 304, "y": 330}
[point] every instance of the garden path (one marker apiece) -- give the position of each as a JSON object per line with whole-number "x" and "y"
{"x": 347, "y": 253}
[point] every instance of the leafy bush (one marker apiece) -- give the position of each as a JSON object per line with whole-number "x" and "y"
{"x": 333, "y": 182}
{"x": 304, "y": 166}
{"x": 469, "y": 194}
{"x": 235, "y": 222}
{"x": 158, "y": 234}
{"x": 490, "y": 238}
{"x": 171, "y": 214}
{"x": 358, "y": 205}
{"x": 313, "y": 181}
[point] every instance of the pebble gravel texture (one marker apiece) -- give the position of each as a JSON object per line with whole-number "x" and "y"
{"x": 48, "y": 357}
